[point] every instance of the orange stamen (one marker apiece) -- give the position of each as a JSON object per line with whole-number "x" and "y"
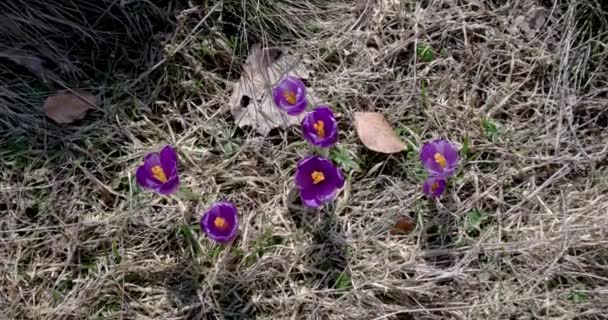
{"x": 220, "y": 223}
{"x": 317, "y": 177}
{"x": 319, "y": 128}
{"x": 440, "y": 160}
{"x": 434, "y": 186}
{"x": 290, "y": 96}
{"x": 159, "y": 174}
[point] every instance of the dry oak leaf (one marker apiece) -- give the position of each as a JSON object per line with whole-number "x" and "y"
{"x": 377, "y": 134}
{"x": 252, "y": 103}
{"x": 68, "y": 106}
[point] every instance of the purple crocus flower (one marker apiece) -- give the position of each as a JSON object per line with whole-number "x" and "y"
{"x": 434, "y": 187}
{"x": 290, "y": 95}
{"x": 320, "y": 127}
{"x": 159, "y": 171}
{"x": 318, "y": 180}
{"x": 221, "y": 222}
{"x": 440, "y": 158}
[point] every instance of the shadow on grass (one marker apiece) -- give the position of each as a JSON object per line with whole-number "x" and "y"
{"x": 227, "y": 298}
{"x": 439, "y": 237}
{"x": 328, "y": 253}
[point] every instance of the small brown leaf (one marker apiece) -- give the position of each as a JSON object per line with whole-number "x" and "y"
{"x": 69, "y": 106}
{"x": 376, "y": 133}
{"x": 403, "y": 226}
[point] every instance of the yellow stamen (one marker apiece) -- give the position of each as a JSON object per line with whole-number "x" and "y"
{"x": 159, "y": 174}
{"x": 317, "y": 177}
{"x": 440, "y": 160}
{"x": 220, "y": 223}
{"x": 319, "y": 128}
{"x": 434, "y": 186}
{"x": 290, "y": 96}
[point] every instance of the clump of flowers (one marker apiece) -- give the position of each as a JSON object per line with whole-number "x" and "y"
{"x": 440, "y": 158}
{"x": 316, "y": 177}
{"x": 221, "y": 222}
{"x": 159, "y": 171}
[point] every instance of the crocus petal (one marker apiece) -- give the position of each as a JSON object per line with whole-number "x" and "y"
{"x": 168, "y": 161}
{"x": 309, "y": 198}
{"x": 450, "y": 153}
{"x": 427, "y": 156}
{"x": 144, "y": 178}
{"x": 304, "y": 170}
{"x": 296, "y": 109}
{"x": 169, "y": 187}
{"x": 339, "y": 178}
{"x": 335, "y": 176}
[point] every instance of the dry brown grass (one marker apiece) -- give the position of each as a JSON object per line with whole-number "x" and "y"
{"x": 528, "y": 100}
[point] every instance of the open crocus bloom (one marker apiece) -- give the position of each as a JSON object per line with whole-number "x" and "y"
{"x": 159, "y": 171}
{"x": 320, "y": 127}
{"x": 433, "y": 187}
{"x": 318, "y": 180}
{"x": 290, "y": 95}
{"x": 440, "y": 158}
{"x": 221, "y": 222}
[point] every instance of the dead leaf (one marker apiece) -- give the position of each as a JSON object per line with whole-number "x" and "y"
{"x": 69, "y": 106}
{"x": 403, "y": 226}
{"x": 529, "y": 23}
{"x": 376, "y": 133}
{"x": 251, "y": 103}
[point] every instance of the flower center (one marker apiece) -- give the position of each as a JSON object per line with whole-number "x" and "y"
{"x": 319, "y": 128}
{"x": 440, "y": 160}
{"x": 434, "y": 186}
{"x": 317, "y": 177}
{"x": 220, "y": 223}
{"x": 159, "y": 174}
{"x": 290, "y": 96}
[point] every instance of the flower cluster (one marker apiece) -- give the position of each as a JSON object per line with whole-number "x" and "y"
{"x": 440, "y": 159}
{"x": 316, "y": 177}
{"x": 159, "y": 173}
